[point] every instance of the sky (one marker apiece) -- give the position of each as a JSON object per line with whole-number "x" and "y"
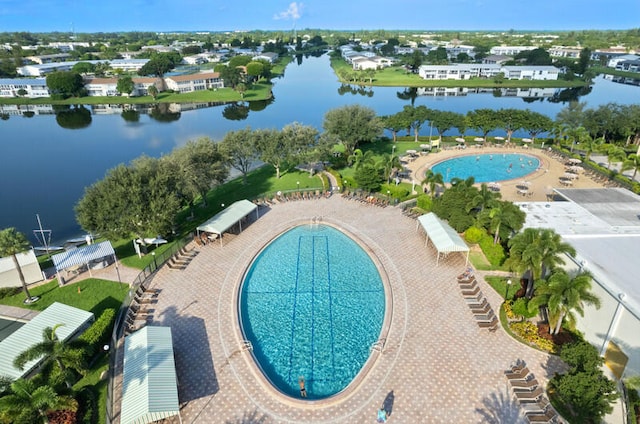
{"x": 226, "y": 15}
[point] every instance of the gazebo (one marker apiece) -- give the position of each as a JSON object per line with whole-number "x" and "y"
{"x": 444, "y": 238}
{"x": 228, "y": 217}
{"x": 76, "y": 257}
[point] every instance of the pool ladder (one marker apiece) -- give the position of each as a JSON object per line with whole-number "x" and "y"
{"x": 246, "y": 345}
{"x": 378, "y": 346}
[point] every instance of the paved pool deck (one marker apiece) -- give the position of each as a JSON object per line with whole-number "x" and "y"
{"x": 437, "y": 365}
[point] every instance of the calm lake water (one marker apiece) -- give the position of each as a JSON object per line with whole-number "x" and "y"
{"x": 44, "y": 167}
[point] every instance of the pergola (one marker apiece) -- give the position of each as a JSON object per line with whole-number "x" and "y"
{"x": 228, "y": 217}
{"x": 83, "y": 256}
{"x": 444, "y": 238}
{"x": 149, "y": 382}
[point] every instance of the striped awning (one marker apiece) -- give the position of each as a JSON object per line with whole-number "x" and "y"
{"x": 149, "y": 383}
{"x": 82, "y": 255}
{"x": 444, "y": 238}
{"x": 72, "y": 320}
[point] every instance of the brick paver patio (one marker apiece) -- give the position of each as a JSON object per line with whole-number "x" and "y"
{"x": 437, "y": 366}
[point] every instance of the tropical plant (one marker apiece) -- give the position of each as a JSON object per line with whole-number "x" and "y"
{"x": 563, "y": 295}
{"x": 13, "y": 242}
{"x": 632, "y": 162}
{"x": 27, "y": 401}
{"x": 484, "y": 199}
{"x": 68, "y": 356}
{"x": 533, "y": 251}
{"x": 433, "y": 180}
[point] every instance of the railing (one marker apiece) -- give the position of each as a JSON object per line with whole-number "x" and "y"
{"x": 118, "y": 328}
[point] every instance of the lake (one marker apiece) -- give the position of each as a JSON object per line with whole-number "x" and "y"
{"x": 46, "y": 161}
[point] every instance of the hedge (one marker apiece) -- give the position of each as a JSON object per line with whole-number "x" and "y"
{"x": 99, "y": 332}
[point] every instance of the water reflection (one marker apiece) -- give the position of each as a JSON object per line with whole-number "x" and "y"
{"x": 361, "y": 90}
{"x": 72, "y": 117}
{"x": 236, "y": 111}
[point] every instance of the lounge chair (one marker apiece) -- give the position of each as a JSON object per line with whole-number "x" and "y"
{"x": 491, "y": 325}
{"x": 528, "y": 381}
{"x": 549, "y": 416}
{"x": 533, "y": 395}
{"x": 467, "y": 273}
{"x": 471, "y": 293}
{"x": 475, "y": 300}
{"x": 485, "y": 317}
{"x": 468, "y": 286}
{"x": 540, "y": 407}
{"x": 518, "y": 364}
{"x": 466, "y": 280}
{"x": 519, "y": 374}
{"x": 525, "y": 389}
{"x": 481, "y": 310}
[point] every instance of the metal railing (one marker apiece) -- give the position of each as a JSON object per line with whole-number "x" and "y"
{"x": 119, "y": 325}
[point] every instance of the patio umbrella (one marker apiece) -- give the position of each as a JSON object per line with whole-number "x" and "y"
{"x": 498, "y": 138}
{"x": 157, "y": 240}
{"x": 573, "y": 160}
{"x": 527, "y": 140}
{"x": 460, "y": 140}
{"x": 570, "y": 176}
{"x": 478, "y": 139}
{"x": 575, "y": 169}
{"x": 425, "y": 146}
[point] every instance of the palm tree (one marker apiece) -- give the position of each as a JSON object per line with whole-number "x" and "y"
{"x": 485, "y": 198}
{"x": 632, "y": 162}
{"x": 13, "y": 242}
{"x": 26, "y": 400}
{"x": 389, "y": 163}
{"x": 65, "y": 355}
{"x": 535, "y": 250}
{"x": 563, "y": 295}
{"x": 433, "y": 180}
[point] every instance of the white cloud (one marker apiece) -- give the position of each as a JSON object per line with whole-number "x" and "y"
{"x": 294, "y": 11}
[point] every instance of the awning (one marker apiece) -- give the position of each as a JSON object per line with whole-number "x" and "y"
{"x": 72, "y": 319}
{"x": 82, "y": 255}
{"x": 149, "y": 383}
{"x": 228, "y": 217}
{"x": 444, "y": 238}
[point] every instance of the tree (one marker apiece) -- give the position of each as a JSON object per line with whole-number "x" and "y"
{"x": 255, "y": 69}
{"x": 65, "y": 355}
{"x": 272, "y": 148}
{"x": 84, "y": 68}
{"x": 239, "y": 149}
{"x": 13, "y": 242}
{"x": 241, "y": 88}
{"x": 502, "y": 215}
{"x": 535, "y": 123}
{"x": 125, "y": 85}
{"x": 26, "y": 401}
{"x": 65, "y": 83}
{"x": 483, "y": 120}
{"x": 231, "y": 76}
{"x": 160, "y": 63}
{"x": 535, "y": 250}
{"x": 484, "y": 199}
{"x": 353, "y": 125}
{"x": 512, "y": 120}
{"x": 200, "y": 167}
{"x": 433, "y": 180}
{"x": 301, "y": 143}
{"x": 416, "y": 117}
{"x": 563, "y": 295}
{"x": 443, "y": 121}
{"x": 632, "y": 162}
{"x": 153, "y": 91}
{"x": 394, "y": 123}
{"x": 141, "y": 199}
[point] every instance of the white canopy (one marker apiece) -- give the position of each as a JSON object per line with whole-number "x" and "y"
{"x": 149, "y": 383}
{"x": 444, "y": 238}
{"x": 228, "y": 217}
{"x": 82, "y": 255}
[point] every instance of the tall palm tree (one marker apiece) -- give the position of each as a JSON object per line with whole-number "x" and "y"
{"x": 389, "y": 163}
{"x": 13, "y": 242}
{"x": 65, "y": 355}
{"x": 564, "y": 295}
{"x": 535, "y": 250}
{"x": 484, "y": 199}
{"x": 433, "y": 180}
{"x": 632, "y": 162}
{"x": 27, "y": 400}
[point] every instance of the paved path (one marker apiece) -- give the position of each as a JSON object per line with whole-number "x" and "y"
{"x": 437, "y": 366}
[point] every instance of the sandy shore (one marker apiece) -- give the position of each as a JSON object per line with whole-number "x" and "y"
{"x": 542, "y": 181}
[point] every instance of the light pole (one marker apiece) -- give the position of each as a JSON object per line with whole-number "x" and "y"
{"x": 506, "y": 291}
{"x": 389, "y": 195}
{"x": 393, "y": 150}
{"x": 298, "y": 183}
{"x": 155, "y": 264}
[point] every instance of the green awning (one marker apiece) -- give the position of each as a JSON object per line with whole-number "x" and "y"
{"x": 149, "y": 383}
{"x": 73, "y": 320}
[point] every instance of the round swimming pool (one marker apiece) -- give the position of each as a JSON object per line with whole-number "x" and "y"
{"x": 312, "y": 304}
{"x": 487, "y": 167}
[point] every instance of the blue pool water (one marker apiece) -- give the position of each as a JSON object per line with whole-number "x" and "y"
{"x": 487, "y": 167}
{"x": 312, "y": 304}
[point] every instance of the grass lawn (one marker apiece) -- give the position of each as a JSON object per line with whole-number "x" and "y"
{"x": 99, "y": 387}
{"x": 615, "y": 72}
{"x": 95, "y": 295}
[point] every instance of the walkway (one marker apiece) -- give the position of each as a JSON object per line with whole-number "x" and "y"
{"x": 437, "y": 366}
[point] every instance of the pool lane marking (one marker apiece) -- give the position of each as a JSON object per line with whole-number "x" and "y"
{"x": 330, "y": 292}
{"x": 293, "y": 315}
{"x": 313, "y": 310}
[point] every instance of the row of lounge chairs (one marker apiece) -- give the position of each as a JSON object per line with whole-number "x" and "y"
{"x": 366, "y": 198}
{"x": 140, "y": 313}
{"x": 529, "y": 394}
{"x": 181, "y": 259}
{"x": 281, "y": 197}
{"x": 477, "y": 302}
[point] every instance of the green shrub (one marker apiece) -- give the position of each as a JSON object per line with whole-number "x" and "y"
{"x": 528, "y": 332}
{"x": 493, "y": 252}
{"x": 9, "y": 291}
{"x": 474, "y": 234}
{"x": 99, "y": 332}
{"x": 521, "y": 308}
{"x": 508, "y": 310}
{"x": 424, "y": 202}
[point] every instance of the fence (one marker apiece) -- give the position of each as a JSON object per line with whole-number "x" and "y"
{"x": 118, "y": 328}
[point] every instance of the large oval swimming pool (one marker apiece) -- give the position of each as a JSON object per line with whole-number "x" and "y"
{"x": 487, "y": 167}
{"x": 312, "y": 304}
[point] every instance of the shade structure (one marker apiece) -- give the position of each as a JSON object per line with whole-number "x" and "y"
{"x": 460, "y": 140}
{"x": 226, "y": 218}
{"x": 82, "y": 255}
{"x": 444, "y": 238}
{"x": 425, "y": 146}
{"x": 149, "y": 383}
{"x": 478, "y": 139}
{"x": 498, "y": 138}
{"x": 574, "y": 160}
{"x": 73, "y": 321}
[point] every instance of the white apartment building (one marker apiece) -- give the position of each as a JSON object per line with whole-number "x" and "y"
{"x": 465, "y": 71}
{"x": 194, "y": 82}
{"x": 562, "y": 51}
{"x": 510, "y": 50}
{"x": 34, "y": 87}
{"x": 46, "y": 68}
